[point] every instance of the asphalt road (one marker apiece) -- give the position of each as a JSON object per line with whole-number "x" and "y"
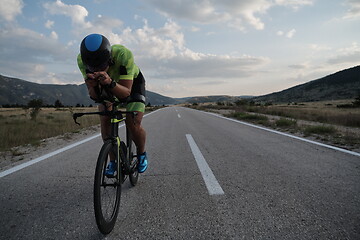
{"x": 208, "y": 178}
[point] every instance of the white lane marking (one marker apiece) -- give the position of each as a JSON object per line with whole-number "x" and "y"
{"x": 179, "y": 116}
{"x": 46, "y": 156}
{"x": 211, "y": 183}
{"x": 287, "y": 135}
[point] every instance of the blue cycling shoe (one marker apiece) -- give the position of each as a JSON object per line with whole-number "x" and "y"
{"x": 143, "y": 163}
{"x": 110, "y": 169}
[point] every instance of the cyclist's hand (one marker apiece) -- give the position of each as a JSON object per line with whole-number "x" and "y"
{"x": 103, "y": 78}
{"x": 91, "y": 81}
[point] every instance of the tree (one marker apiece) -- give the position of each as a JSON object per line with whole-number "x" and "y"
{"x": 58, "y": 104}
{"x": 356, "y": 103}
{"x": 35, "y": 107}
{"x": 241, "y": 102}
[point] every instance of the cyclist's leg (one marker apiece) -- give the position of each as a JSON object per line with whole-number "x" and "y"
{"x": 139, "y": 138}
{"x": 105, "y": 123}
{"x": 138, "y": 133}
{"x": 137, "y": 104}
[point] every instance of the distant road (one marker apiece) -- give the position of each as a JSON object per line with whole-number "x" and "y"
{"x": 208, "y": 178}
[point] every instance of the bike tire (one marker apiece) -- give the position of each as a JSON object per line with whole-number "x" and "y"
{"x": 132, "y": 158}
{"x": 106, "y": 194}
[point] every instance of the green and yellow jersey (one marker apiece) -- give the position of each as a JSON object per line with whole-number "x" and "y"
{"x": 123, "y": 67}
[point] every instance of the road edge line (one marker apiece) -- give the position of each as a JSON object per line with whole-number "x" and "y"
{"x": 48, "y": 155}
{"x": 285, "y": 134}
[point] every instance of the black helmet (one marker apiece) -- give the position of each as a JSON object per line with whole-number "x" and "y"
{"x": 95, "y": 50}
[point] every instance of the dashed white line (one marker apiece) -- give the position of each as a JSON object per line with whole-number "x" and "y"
{"x": 211, "y": 183}
{"x": 179, "y": 116}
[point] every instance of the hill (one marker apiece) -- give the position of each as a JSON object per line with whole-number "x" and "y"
{"x": 344, "y": 84}
{"x": 211, "y": 99}
{"x": 16, "y": 91}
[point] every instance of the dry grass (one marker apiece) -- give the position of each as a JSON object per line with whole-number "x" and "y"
{"x": 321, "y": 120}
{"x": 323, "y": 112}
{"x": 16, "y": 127}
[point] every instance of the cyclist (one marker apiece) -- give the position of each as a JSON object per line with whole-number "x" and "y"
{"x": 110, "y": 70}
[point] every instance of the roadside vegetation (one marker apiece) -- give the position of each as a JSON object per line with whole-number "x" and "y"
{"x": 28, "y": 126}
{"x": 333, "y": 122}
{"x": 32, "y": 123}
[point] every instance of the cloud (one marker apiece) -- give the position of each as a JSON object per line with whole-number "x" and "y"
{"x": 347, "y": 55}
{"x": 54, "y": 35}
{"x": 9, "y": 9}
{"x": 234, "y": 13}
{"x": 317, "y": 47}
{"x": 49, "y": 24}
{"x": 147, "y": 42}
{"x": 77, "y": 13}
{"x": 104, "y": 25}
{"x": 192, "y": 65}
{"x": 162, "y": 54}
{"x": 354, "y": 9}
{"x": 295, "y": 4}
{"x": 30, "y": 45}
{"x": 291, "y": 33}
{"x": 200, "y": 11}
{"x": 288, "y": 34}
{"x": 299, "y": 66}
{"x": 194, "y": 29}
{"x": 31, "y": 52}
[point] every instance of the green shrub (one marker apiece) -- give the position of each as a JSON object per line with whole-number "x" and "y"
{"x": 319, "y": 129}
{"x": 283, "y": 122}
{"x": 249, "y": 117}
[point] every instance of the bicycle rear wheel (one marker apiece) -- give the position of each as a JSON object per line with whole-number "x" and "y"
{"x": 107, "y": 190}
{"x": 132, "y": 158}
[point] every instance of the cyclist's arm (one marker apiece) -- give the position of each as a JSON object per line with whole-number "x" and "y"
{"x": 91, "y": 83}
{"x": 122, "y": 88}
{"x": 93, "y": 88}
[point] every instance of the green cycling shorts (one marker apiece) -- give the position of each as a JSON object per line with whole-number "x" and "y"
{"x": 135, "y": 107}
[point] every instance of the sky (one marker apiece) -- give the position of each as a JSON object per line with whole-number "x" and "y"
{"x": 186, "y": 47}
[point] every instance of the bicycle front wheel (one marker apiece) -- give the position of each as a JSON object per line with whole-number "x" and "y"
{"x": 107, "y": 190}
{"x": 132, "y": 158}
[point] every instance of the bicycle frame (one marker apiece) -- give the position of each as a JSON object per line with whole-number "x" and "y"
{"x": 116, "y": 118}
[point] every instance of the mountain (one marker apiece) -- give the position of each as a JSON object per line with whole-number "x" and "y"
{"x": 157, "y": 99}
{"x": 344, "y": 84}
{"x": 16, "y": 91}
{"x": 207, "y": 99}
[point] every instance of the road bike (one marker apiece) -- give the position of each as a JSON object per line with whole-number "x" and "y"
{"x": 107, "y": 189}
